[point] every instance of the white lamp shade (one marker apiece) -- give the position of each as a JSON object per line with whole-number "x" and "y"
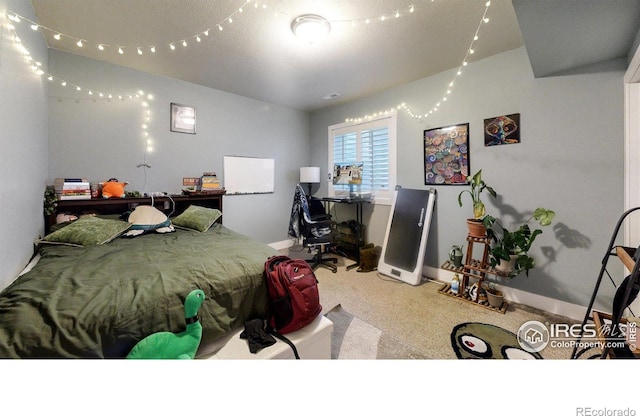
{"x": 309, "y": 174}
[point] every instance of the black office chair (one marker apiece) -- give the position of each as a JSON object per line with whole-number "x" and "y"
{"x": 310, "y": 221}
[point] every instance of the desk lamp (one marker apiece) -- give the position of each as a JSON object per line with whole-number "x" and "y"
{"x": 309, "y": 175}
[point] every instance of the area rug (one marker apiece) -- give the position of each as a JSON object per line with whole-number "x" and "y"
{"x": 473, "y": 340}
{"x": 355, "y": 339}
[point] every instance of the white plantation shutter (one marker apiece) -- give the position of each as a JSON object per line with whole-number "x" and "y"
{"x": 373, "y": 144}
{"x": 345, "y": 148}
{"x": 375, "y": 155}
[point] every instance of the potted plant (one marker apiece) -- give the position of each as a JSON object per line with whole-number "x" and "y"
{"x": 50, "y": 201}
{"x": 476, "y": 226}
{"x": 495, "y": 297}
{"x": 513, "y": 246}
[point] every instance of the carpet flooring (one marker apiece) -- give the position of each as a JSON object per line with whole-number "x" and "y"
{"x": 418, "y": 317}
{"x": 355, "y": 339}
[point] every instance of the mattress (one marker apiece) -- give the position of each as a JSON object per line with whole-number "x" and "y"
{"x": 99, "y": 301}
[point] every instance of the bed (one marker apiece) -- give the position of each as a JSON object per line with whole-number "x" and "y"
{"x": 99, "y": 300}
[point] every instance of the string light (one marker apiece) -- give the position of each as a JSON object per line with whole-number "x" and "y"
{"x": 361, "y": 20}
{"x": 104, "y": 46}
{"x": 407, "y": 109}
{"x": 36, "y": 66}
{"x": 14, "y": 17}
{"x": 148, "y": 141}
{"x": 368, "y": 19}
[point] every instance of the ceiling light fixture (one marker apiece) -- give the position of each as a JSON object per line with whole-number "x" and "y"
{"x": 331, "y": 96}
{"x": 310, "y": 27}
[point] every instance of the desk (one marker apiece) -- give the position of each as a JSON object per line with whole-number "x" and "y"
{"x": 359, "y": 238}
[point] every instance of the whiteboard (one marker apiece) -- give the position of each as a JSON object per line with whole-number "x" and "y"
{"x": 248, "y": 175}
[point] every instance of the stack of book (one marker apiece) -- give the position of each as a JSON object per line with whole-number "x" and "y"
{"x": 209, "y": 182}
{"x": 190, "y": 184}
{"x": 72, "y": 188}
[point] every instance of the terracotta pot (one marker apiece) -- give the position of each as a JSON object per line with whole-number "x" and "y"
{"x": 495, "y": 298}
{"x": 476, "y": 228}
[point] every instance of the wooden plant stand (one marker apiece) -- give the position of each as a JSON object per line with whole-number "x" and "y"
{"x": 473, "y": 271}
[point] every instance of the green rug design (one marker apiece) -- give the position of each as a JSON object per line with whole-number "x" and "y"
{"x": 475, "y": 340}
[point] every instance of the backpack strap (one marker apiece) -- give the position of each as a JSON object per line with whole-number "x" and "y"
{"x": 284, "y": 339}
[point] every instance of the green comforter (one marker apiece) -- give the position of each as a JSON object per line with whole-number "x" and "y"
{"x": 100, "y": 301}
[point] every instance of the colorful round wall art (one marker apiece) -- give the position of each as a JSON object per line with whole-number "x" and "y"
{"x": 446, "y": 155}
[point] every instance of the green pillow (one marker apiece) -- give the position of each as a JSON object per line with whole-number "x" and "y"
{"x": 197, "y": 218}
{"x": 87, "y": 231}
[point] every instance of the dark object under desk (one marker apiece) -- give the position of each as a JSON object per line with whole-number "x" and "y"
{"x": 351, "y": 248}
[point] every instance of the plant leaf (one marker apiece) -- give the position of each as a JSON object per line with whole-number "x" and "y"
{"x": 544, "y": 216}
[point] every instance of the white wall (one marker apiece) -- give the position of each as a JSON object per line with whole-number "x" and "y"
{"x": 570, "y": 159}
{"x": 23, "y": 144}
{"x": 100, "y": 139}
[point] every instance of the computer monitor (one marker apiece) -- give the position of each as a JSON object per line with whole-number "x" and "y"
{"x": 347, "y": 174}
{"x": 347, "y": 179}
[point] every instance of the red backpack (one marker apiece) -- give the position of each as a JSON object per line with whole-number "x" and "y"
{"x": 294, "y": 300}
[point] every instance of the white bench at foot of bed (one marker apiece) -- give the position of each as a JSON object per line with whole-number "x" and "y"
{"x": 312, "y": 342}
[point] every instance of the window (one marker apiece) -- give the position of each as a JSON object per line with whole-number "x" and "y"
{"x": 372, "y": 143}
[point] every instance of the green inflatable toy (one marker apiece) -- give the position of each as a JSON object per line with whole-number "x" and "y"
{"x": 169, "y": 345}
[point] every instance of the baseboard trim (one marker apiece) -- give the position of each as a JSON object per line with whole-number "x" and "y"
{"x": 544, "y": 303}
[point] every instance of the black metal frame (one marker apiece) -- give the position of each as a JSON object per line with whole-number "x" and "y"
{"x": 634, "y": 278}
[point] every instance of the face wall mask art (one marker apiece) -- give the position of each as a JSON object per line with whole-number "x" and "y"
{"x": 502, "y": 130}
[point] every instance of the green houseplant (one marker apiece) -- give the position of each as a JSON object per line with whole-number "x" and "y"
{"x": 50, "y": 200}
{"x": 513, "y": 246}
{"x": 478, "y": 186}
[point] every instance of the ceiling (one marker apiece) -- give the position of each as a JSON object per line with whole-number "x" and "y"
{"x": 257, "y": 56}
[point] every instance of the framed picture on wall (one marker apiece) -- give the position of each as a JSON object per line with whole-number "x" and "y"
{"x": 183, "y": 118}
{"x": 502, "y": 130}
{"x": 446, "y": 155}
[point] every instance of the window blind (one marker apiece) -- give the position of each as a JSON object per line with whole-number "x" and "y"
{"x": 371, "y": 144}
